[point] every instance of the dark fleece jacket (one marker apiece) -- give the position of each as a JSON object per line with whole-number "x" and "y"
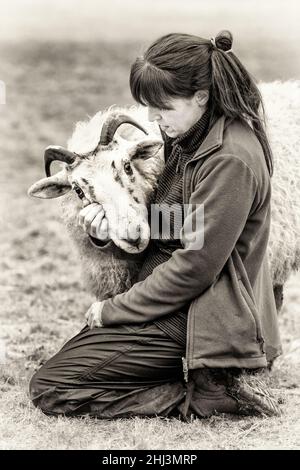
{"x": 232, "y": 318}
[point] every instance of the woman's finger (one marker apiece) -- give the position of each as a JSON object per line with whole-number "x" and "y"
{"x": 83, "y": 212}
{"x": 99, "y": 227}
{"x": 102, "y": 231}
{"x": 90, "y": 216}
{"x": 87, "y": 316}
{"x": 96, "y": 223}
{"x": 93, "y": 315}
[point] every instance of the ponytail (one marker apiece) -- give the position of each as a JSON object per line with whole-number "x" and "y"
{"x": 234, "y": 92}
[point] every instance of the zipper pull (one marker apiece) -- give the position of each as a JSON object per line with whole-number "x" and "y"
{"x": 185, "y": 370}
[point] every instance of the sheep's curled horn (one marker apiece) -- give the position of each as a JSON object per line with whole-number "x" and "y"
{"x": 111, "y": 125}
{"x": 109, "y": 128}
{"x": 56, "y": 153}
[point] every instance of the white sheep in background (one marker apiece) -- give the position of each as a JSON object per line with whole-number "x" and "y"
{"x": 282, "y": 103}
{"x": 92, "y": 170}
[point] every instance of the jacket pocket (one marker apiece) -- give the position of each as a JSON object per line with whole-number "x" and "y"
{"x": 224, "y": 329}
{"x": 252, "y": 308}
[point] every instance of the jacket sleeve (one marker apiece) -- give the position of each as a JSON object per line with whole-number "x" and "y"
{"x": 225, "y": 192}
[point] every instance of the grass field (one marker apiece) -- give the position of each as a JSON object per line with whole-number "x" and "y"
{"x": 49, "y": 87}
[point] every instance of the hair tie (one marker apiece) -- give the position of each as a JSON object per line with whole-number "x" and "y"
{"x": 213, "y": 42}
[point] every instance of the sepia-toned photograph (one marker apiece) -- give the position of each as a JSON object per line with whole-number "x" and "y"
{"x": 150, "y": 227}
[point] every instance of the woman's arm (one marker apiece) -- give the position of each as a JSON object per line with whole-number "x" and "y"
{"x": 226, "y": 191}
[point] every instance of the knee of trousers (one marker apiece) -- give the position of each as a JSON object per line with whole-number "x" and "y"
{"x": 40, "y": 392}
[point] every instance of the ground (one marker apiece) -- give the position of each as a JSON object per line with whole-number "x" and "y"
{"x": 42, "y": 299}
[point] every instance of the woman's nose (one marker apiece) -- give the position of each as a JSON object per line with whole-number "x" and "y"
{"x": 153, "y": 114}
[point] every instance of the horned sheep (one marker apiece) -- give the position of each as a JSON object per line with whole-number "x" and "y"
{"x": 123, "y": 178}
{"x": 136, "y": 145}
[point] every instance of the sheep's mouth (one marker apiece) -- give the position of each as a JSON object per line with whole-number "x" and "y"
{"x": 99, "y": 243}
{"x": 108, "y": 245}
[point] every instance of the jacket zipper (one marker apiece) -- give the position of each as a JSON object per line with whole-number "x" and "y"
{"x": 186, "y": 201}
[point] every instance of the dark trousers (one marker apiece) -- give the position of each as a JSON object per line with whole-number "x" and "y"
{"x": 112, "y": 373}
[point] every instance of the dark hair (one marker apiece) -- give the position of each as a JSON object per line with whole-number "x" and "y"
{"x": 177, "y": 65}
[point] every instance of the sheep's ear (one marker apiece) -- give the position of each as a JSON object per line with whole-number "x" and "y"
{"x": 146, "y": 149}
{"x": 52, "y": 187}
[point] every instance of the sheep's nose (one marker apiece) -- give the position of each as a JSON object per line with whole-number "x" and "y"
{"x": 134, "y": 236}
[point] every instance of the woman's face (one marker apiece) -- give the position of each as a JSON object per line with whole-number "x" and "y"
{"x": 184, "y": 113}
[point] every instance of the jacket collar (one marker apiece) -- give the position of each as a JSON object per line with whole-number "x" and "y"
{"x": 213, "y": 140}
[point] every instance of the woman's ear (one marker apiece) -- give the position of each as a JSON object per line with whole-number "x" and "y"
{"x": 202, "y": 97}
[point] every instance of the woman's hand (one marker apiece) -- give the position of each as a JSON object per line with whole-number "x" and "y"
{"x": 93, "y": 315}
{"x": 92, "y": 219}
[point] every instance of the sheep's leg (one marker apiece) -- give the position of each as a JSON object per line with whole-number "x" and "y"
{"x": 278, "y": 294}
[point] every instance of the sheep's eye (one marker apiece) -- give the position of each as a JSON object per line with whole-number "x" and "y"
{"x": 78, "y": 191}
{"x": 127, "y": 168}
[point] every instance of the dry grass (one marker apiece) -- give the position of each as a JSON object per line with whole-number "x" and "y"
{"x": 41, "y": 297}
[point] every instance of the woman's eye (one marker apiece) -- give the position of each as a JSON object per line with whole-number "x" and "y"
{"x": 78, "y": 191}
{"x": 127, "y": 168}
{"x": 166, "y": 107}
